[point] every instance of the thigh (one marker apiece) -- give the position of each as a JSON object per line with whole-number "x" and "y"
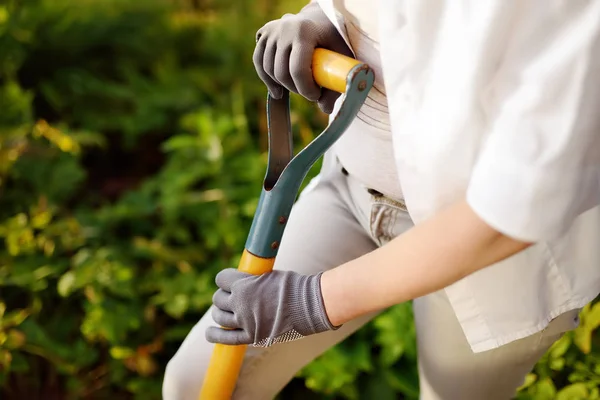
{"x": 321, "y": 234}
{"x": 449, "y": 370}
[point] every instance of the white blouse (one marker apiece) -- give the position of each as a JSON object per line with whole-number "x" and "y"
{"x": 366, "y": 150}
{"x": 499, "y": 102}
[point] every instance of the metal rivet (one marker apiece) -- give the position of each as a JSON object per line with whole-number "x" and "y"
{"x": 274, "y": 245}
{"x": 362, "y": 85}
{"x": 282, "y": 220}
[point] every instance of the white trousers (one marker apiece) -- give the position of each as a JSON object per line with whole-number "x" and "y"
{"x": 338, "y": 221}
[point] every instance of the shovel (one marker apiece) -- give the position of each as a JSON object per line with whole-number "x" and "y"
{"x": 285, "y": 173}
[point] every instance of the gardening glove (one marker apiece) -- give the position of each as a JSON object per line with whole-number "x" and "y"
{"x": 284, "y": 50}
{"x": 262, "y": 310}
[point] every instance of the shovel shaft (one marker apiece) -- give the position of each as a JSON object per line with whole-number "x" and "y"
{"x": 331, "y": 71}
{"x": 222, "y": 373}
{"x": 226, "y": 361}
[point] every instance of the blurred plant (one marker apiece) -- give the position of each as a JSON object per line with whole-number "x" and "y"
{"x": 570, "y": 370}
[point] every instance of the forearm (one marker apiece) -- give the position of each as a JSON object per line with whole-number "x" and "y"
{"x": 427, "y": 258}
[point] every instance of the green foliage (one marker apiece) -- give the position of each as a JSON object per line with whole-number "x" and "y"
{"x": 377, "y": 362}
{"x": 570, "y": 370}
{"x": 132, "y": 149}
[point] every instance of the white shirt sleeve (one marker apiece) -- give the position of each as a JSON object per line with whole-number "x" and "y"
{"x": 540, "y": 165}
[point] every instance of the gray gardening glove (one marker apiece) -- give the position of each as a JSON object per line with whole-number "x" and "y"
{"x": 284, "y": 49}
{"x": 262, "y": 310}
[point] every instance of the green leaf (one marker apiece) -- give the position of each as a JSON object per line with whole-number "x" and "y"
{"x": 120, "y": 353}
{"x": 583, "y": 339}
{"x": 5, "y": 359}
{"x": 557, "y": 364}
{"x": 66, "y": 284}
{"x": 590, "y": 320}
{"x": 110, "y": 320}
{"x": 560, "y": 347}
{"x": 3, "y": 15}
{"x": 15, "y": 339}
{"x": 333, "y": 372}
{"x": 530, "y": 379}
{"x": 591, "y": 317}
{"x": 180, "y": 142}
{"x": 396, "y": 333}
{"x": 177, "y": 305}
{"x": 14, "y": 318}
{"x": 576, "y": 391}
{"x": 545, "y": 390}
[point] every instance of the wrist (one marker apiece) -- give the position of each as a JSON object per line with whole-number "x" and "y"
{"x": 318, "y": 294}
{"x": 335, "y": 308}
{"x": 306, "y": 309}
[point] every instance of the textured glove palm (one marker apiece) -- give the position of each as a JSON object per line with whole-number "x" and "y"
{"x": 284, "y": 49}
{"x": 261, "y": 310}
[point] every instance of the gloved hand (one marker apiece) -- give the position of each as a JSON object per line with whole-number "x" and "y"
{"x": 262, "y": 310}
{"x": 284, "y": 49}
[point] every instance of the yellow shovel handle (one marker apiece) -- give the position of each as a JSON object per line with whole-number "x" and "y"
{"x": 226, "y": 361}
{"x": 330, "y": 70}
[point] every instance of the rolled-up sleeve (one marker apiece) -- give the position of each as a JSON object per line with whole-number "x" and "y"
{"x": 539, "y": 167}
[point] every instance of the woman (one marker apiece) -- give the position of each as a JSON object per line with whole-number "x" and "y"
{"x": 469, "y": 183}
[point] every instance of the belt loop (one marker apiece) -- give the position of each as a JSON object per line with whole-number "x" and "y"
{"x": 372, "y": 192}
{"x": 344, "y": 171}
{"x": 375, "y": 192}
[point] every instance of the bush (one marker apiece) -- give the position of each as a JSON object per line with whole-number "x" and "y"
{"x": 132, "y": 150}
